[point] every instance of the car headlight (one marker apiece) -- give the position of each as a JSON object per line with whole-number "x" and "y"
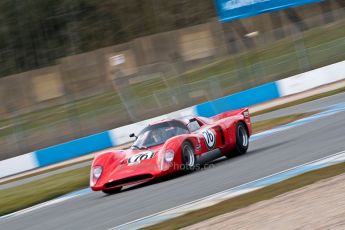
{"x": 169, "y": 155}
{"x": 96, "y": 173}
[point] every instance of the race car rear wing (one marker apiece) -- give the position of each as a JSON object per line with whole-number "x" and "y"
{"x": 243, "y": 111}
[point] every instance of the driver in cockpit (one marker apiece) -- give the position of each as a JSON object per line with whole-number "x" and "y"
{"x": 157, "y": 136}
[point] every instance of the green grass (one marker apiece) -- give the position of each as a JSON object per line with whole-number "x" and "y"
{"x": 124, "y": 146}
{"x": 82, "y": 109}
{"x": 164, "y": 93}
{"x": 282, "y": 52}
{"x": 271, "y": 123}
{"x": 32, "y": 193}
{"x": 234, "y": 73}
{"x": 251, "y": 198}
{"x": 324, "y": 34}
{"x": 38, "y": 191}
{"x": 43, "y": 171}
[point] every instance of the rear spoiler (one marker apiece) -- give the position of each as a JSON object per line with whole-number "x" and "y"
{"x": 243, "y": 111}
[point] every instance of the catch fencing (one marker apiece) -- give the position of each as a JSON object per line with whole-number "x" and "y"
{"x": 125, "y": 96}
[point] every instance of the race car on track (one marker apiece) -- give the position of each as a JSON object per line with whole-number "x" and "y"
{"x": 169, "y": 146}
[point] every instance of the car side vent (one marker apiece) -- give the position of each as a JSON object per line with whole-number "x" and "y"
{"x": 221, "y": 132}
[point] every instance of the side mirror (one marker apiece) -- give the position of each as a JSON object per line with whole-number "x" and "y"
{"x": 133, "y": 135}
{"x": 192, "y": 120}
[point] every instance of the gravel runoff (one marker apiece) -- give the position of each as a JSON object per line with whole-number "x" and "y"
{"x": 317, "y": 206}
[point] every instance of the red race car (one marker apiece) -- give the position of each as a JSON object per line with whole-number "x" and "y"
{"x": 172, "y": 145}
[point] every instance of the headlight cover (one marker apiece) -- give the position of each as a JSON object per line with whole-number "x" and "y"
{"x": 95, "y": 174}
{"x": 97, "y": 171}
{"x": 169, "y": 155}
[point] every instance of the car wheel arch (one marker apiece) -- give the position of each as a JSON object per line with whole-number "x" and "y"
{"x": 245, "y": 125}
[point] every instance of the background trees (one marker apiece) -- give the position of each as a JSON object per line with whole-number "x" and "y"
{"x": 34, "y": 33}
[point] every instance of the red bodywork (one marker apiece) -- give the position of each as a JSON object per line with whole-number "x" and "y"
{"x": 118, "y": 172}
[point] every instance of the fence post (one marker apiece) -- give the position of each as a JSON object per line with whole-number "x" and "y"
{"x": 215, "y": 88}
{"x": 18, "y": 132}
{"x": 300, "y": 49}
{"x": 124, "y": 93}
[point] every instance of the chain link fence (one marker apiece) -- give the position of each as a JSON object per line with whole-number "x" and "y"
{"x": 164, "y": 87}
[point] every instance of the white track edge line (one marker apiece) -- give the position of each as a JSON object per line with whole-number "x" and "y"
{"x": 233, "y": 188}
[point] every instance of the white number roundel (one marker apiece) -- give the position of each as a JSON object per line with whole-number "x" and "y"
{"x": 210, "y": 138}
{"x": 137, "y": 158}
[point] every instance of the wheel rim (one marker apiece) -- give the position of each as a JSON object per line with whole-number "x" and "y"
{"x": 243, "y": 135}
{"x": 188, "y": 155}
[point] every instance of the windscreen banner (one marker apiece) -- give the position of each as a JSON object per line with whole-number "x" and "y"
{"x": 229, "y": 10}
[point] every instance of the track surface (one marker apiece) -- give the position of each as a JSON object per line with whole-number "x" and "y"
{"x": 315, "y": 105}
{"x": 320, "y": 104}
{"x": 266, "y": 156}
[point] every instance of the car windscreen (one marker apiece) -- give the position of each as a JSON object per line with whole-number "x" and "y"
{"x": 158, "y": 134}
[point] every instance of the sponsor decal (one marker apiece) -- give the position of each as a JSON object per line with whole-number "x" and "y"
{"x": 234, "y": 4}
{"x": 229, "y": 10}
{"x": 137, "y": 158}
{"x": 210, "y": 138}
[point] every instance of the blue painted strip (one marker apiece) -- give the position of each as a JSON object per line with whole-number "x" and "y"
{"x": 78, "y": 193}
{"x": 72, "y": 149}
{"x": 229, "y": 10}
{"x": 89, "y": 144}
{"x": 246, "y": 98}
{"x": 113, "y": 139}
{"x": 255, "y": 184}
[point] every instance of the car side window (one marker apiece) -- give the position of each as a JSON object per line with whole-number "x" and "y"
{"x": 193, "y": 126}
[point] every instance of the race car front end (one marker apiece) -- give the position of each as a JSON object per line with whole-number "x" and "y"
{"x": 135, "y": 167}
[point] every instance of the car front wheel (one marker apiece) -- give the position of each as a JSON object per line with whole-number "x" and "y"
{"x": 112, "y": 191}
{"x": 188, "y": 157}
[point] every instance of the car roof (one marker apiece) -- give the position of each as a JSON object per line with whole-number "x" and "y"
{"x": 184, "y": 120}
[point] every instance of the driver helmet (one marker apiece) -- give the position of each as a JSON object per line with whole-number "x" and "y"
{"x": 157, "y": 135}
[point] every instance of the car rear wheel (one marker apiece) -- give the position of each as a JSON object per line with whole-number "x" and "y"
{"x": 242, "y": 141}
{"x": 112, "y": 191}
{"x": 188, "y": 157}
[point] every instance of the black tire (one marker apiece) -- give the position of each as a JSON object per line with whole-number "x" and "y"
{"x": 242, "y": 141}
{"x": 188, "y": 157}
{"x": 112, "y": 191}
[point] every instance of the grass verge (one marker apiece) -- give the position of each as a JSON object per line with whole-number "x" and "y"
{"x": 271, "y": 123}
{"x": 300, "y": 101}
{"x": 44, "y": 171}
{"x": 251, "y": 198}
{"x": 33, "y": 173}
{"x": 23, "y": 196}
{"x": 270, "y": 62}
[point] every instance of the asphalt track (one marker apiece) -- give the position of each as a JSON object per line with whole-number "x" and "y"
{"x": 317, "y": 105}
{"x": 266, "y": 156}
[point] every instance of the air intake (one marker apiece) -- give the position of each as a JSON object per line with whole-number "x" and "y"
{"x": 128, "y": 180}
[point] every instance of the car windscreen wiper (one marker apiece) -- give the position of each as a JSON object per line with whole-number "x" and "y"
{"x": 137, "y": 147}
